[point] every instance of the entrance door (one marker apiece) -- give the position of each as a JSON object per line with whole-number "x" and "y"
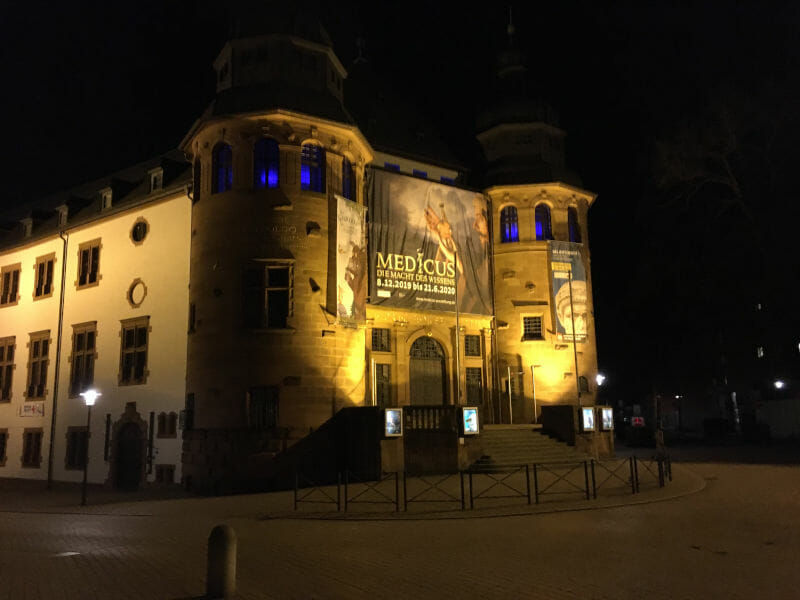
{"x": 427, "y": 372}
{"x": 129, "y": 455}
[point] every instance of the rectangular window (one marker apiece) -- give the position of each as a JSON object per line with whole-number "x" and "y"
{"x": 7, "y": 346}
{"x": 38, "y": 350}
{"x": 83, "y": 356}
{"x": 472, "y": 345}
{"x": 167, "y": 425}
{"x": 263, "y": 408}
{"x": 43, "y": 287}
{"x": 3, "y": 446}
{"x": 77, "y": 447}
{"x": 268, "y": 295}
{"x": 383, "y": 385}
{"x": 165, "y": 473}
{"x": 474, "y": 386}
{"x": 133, "y": 351}
{"x": 532, "y": 328}
{"x": 32, "y": 448}
{"x": 381, "y": 342}
{"x": 447, "y": 180}
{"x": 391, "y": 166}
{"x": 418, "y": 173}
{"x": 9, "y": 285}
{"x": 88, "y": 263}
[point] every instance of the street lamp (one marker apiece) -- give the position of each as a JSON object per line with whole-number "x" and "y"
{"x": 779, "y": 385}
{"x": 89, "y": 398}
{"x": 600, "y": 378}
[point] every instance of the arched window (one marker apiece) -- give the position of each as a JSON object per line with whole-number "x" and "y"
{"x": 222, "y": 165}
{"x": 348, "y": 179}
{"x": 266, "y": 159}
{"x": 312, "y": 168}
{"x": 543, "y": 229}
{"x": 509, "y": 232}
{"x": 573, "y": 225}
{"x": 583, "y": 383}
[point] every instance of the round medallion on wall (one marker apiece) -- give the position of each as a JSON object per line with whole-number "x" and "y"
{"x": 139, "y": 231}
{"x": 137, "y": 292}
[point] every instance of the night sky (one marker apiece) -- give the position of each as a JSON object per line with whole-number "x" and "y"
{"x": 92, "y": 87}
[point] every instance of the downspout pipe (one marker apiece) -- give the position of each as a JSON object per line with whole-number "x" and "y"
{"x": 57, "y": 366}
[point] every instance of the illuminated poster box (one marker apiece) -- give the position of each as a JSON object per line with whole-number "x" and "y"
{"x": 587, "y": 419}
{"x": 393, "y": 422}
{"x": 606, "y": 418}
{"x": 469, "y": 420}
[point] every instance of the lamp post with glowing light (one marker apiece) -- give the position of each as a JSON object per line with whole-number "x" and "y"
{"x": 89, "y": 398}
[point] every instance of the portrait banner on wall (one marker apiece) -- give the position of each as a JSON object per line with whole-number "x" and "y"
{"x": 351, "y": 262}
{"x": 429, "y": 245}
{"x": 570, "y": 300}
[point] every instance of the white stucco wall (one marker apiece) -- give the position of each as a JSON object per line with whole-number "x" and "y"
{"x": 161, "y": 261}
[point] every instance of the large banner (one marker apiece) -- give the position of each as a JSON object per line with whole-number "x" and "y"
{"x": 569, "y": 301}
{"x": 351, "y": 262}
{"x": 429, "y": 244}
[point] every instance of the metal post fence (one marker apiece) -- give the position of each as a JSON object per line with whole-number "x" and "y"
{"x": 594, "y": 483}
{"x": 536, "y": 483}
{"x": 636, "y": 472}
{"x": 461, "y": 477}
{"x": 528, "y": 483}
{"x": 586, "y": 478}
{"x": 633, "y": 477}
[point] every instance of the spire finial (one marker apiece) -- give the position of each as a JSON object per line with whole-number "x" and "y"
{"x": 510, "y": 29}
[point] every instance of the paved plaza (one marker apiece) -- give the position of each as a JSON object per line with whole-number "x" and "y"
{"x": 727, "y": 527}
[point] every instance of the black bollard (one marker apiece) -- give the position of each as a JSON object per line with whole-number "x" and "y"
{"x": 221, "y": 569}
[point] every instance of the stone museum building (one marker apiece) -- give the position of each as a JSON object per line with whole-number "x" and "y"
{"x": 305, "y": 249}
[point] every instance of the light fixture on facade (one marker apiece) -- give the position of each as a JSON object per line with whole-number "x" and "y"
{"x": 779, "y": 385}
{"x": 600, "y": 378}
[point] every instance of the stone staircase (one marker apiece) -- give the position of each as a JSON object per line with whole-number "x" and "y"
{"x": 509, "y": 446}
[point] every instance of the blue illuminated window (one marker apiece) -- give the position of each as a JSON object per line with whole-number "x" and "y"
{"x": 391, "y": 166}
{"x": 348, "y": 179}
{"x": 573, "y": 225}
{"x": 312, "y": 168}
{"x": 222, "y": 161}
{"x": 447, "y": 180}
{"x": 542, "y": 216}
{"x": 266, "y": 161}
{"x": 509, "y": 231}
{"x": 418, "y": 173}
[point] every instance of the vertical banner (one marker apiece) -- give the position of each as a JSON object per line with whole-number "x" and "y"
{"x": 351, "y": 262}
{"x": 429, "y": 245}
{"x": 570, "y": 302}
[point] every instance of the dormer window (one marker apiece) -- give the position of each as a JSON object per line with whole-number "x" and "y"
{"x": 156, "y": 180}
{"x": 106, "y": 196}
{"x": 312, "y": 168}
{"x": 27, "y": 227}
{"x": 266, "y": 162}
{"x": 63, "y": 213}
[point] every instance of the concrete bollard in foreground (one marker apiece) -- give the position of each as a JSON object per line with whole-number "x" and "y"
{"x": 221, "y": 569}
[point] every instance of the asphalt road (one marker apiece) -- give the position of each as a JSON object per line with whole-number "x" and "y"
{"x": 737, "y": 538}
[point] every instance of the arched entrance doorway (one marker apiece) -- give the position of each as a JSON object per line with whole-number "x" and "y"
{"x": 129, "y": 457}
{"x": 426, "y": 372}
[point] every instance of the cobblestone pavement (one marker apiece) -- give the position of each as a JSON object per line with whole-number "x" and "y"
{"x": 737, "y": 537}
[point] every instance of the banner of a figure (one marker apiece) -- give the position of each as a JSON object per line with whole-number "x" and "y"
{"x": 565, "y": 257}
{"x": 351, "y": 262}
{"x": 425, "y": 238}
